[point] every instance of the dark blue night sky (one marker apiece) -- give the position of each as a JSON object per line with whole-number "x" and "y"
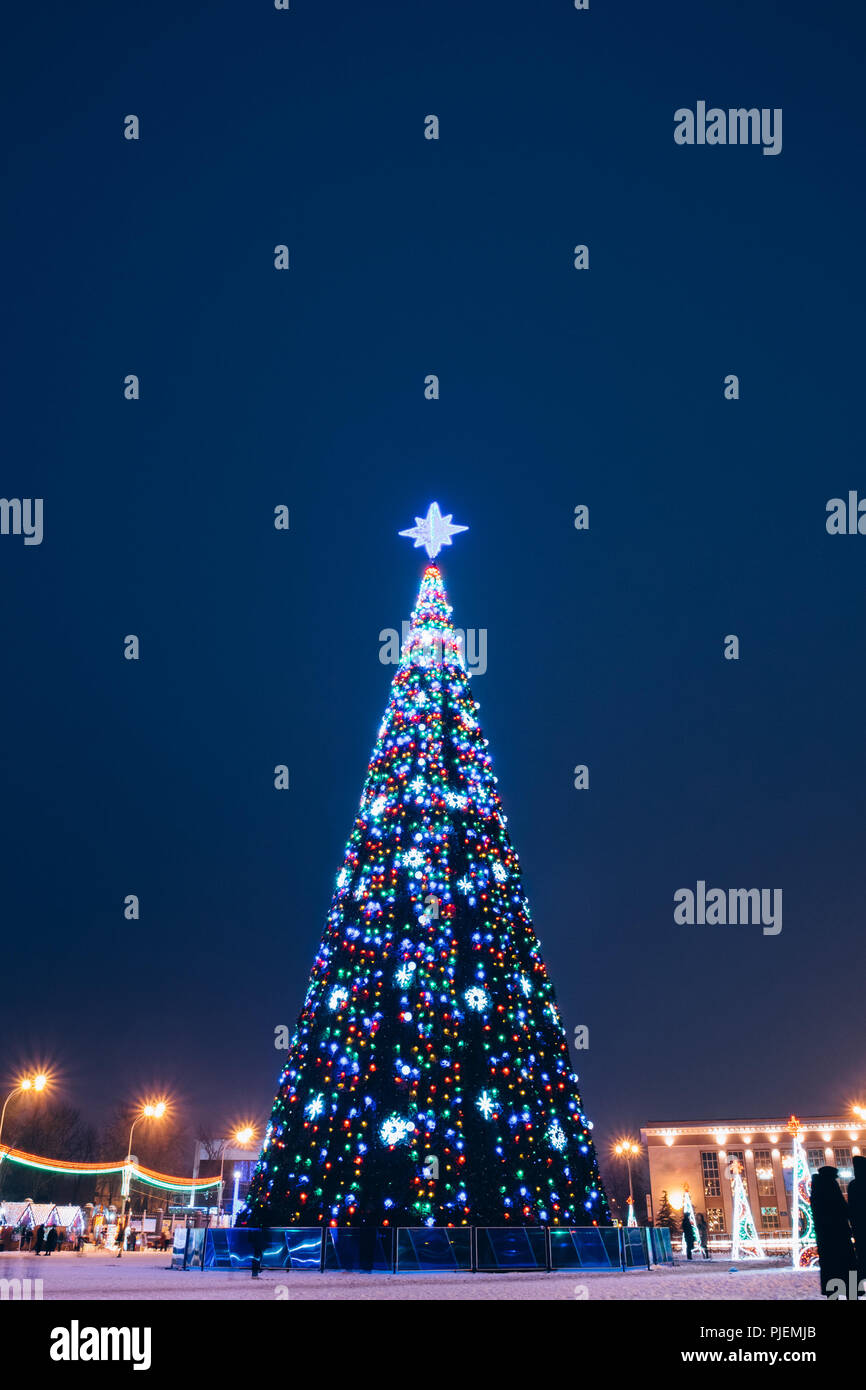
{"x": 558, "y": 387}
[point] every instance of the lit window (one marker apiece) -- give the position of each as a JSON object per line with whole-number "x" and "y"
{"x": 710, "y": 1171}
{"x": 845, "y": 1168}
{"x": 770, "y": 1218}
{"x": 715, "y": 1220}
{"x": 764, "y": 1174}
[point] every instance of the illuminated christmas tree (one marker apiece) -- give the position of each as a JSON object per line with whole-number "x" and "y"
{"x": 804, "y": 1244}
{"x": 745, "y": 1244}
{"x": 428, "y": 1080}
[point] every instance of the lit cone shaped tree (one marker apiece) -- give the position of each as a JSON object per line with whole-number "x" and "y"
{"x": 745, "y": 1243}
{"x": 804, "y": 1243}
{"x": 428, "y": 1080}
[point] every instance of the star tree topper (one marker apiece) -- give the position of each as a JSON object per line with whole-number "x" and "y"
{"x": 433, "y": 530}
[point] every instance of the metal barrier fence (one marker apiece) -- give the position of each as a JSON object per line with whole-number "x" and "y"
{"x": 427, "y": 1249}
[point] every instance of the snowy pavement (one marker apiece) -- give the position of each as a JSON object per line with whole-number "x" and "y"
{"x": 97, "y": 1276}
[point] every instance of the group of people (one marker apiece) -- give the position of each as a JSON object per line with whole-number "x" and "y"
{"x": 38, "y": 1241}
{"x": 126, "y": 1238}
{"x": 840, "y": 1231}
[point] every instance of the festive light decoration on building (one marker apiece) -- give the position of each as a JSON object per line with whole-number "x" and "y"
{"x": 447, "y": 1042}
{"x": 745, "y": 1243}
{"x": 804, "y": 1245}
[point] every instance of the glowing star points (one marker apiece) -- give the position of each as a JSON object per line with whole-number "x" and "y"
{"x": 433, "y": 530}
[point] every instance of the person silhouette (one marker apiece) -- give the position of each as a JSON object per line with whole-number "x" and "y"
{"x": 259, "y": 1243}
{"x": 857, "y": 1218}
{"x": 703, "y": 1235}
{"x": 836, "y": 1256}
{"x": 688, "y": 1235}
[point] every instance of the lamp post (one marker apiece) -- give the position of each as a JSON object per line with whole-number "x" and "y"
{"x": 29, "y": 1083}
{"x": 147, "y": 1112}
{"x": 242, "y": 1137}
{"x": 628, "y": 1149}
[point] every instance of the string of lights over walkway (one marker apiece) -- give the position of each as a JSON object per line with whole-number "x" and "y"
{"x": 129, "y": 1170}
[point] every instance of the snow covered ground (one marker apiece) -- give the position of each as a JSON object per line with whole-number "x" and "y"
{"x": 98, "y": 1276}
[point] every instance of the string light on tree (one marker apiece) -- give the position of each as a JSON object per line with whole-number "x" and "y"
{"x": 745, "y": 1243}
{"x": 804, "y": 1244}
{"x": 430, "y": 1022}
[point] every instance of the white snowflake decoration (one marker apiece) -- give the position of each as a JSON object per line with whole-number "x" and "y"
{"x": 486, "y": 1104}
{"x": 338, "y": 998}
{"x": 315, "y": 1107}
{"x": 404, "y": 975}
{"x": 395, "y": 1129}
{"x": 500, "y": 873}
{"x": 556, "y": 1135}
{"x": 476, "y": 998}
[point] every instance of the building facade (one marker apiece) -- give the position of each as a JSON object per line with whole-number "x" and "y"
{"x": 698, "y": 1155}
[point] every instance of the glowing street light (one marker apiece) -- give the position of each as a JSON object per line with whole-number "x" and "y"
{"x": 150, "y": 1111}
{"x": 242, "y": 1137}
{"x": 27, "y": 1083}
{"x": 628, "y": 1149}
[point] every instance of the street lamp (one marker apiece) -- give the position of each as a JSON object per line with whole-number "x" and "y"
{"x": 28, "y": 1083}
{"x": 147, "y": 1112}
{"x": 628, "y": 1149}
{"x": 152, "y": 1110}
{"x": 242, "y": 1137}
